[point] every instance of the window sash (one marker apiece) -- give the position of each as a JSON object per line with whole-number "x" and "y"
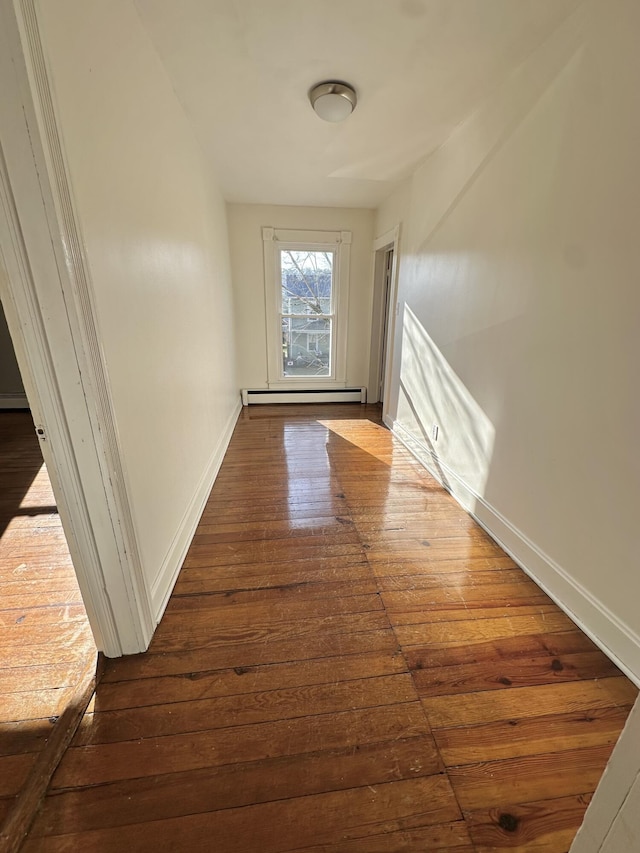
{"x": 329, "y": 316}
{"x": 299, "y": 249}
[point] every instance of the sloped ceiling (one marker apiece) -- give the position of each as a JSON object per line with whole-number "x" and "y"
{"x": 242, "y": 70}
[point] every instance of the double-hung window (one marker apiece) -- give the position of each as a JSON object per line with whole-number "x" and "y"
{"x": 307, "y": 311}
{"x": 307, "y": 276}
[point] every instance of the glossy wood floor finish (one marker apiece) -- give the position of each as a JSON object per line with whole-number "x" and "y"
{"x": 348, "y": 664}
{"x": 45, "y": 641}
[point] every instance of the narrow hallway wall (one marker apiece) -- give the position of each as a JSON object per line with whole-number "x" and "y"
{"x": 518, "y": 327}
{"x": 154, "y": 226}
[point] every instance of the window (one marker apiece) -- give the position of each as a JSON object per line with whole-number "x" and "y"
{"x": 306, "y": 277}
{"x": 306, "y": 312}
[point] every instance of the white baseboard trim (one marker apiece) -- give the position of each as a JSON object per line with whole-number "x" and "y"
{"x": 616, "y": 639}
{"x": 13, "y": 401}
{"x": 168, "y": 574}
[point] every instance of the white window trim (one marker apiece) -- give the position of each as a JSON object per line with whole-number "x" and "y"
{"x": 338, "y": 242}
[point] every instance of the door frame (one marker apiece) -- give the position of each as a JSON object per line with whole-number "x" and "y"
{"x": 390, "y": 240}
{"x": 46, "y": 292}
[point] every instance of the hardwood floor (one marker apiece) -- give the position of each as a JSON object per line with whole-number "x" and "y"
{"x": 46, "y": 646}
{"x": 348, "y": 664}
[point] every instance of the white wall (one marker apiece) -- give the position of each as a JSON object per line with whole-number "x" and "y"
{"x": 245, "y": 235}
{"x": 519, "y": 331}
{"x": 394, "y": 210}
{"x": 157, "y": 251}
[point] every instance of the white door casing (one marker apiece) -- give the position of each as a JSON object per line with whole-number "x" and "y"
{"x": 46, "y": 291}
{"x": 390, "y": 240}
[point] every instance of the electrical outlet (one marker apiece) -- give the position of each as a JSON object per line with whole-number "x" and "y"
{"x": 435, "y": 429}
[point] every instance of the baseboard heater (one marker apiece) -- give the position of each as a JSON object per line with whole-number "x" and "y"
{"x": 327, "y": 395}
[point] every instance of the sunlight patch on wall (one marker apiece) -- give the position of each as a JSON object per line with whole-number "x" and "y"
{"x": 438, "y": 411}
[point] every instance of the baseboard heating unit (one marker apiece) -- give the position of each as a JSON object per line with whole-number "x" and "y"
{"x": 327, "y": 395}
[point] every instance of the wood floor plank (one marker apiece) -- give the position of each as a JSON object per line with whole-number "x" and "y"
{"x": 387, "y": 565}
{"x": 468, "y": 653}
{"x": 271, "y": 827}
{"x": 403, "y": 514}
{"x": 284, "y": 593}
{"x": 448, "y": 597}
{"x": 284, "y": 571}
{"x": 34, "y": 704}
{"x": 33, "y": 616}
{"x": 462, "y": 581}
{"x": 378, "y": 503}
{"x": 44, "y": 676}
{"x": 14, "y": 771}
{"x": 237, "y": 612}
{"x": 301, "y": 514}
{"x": 414, "y": 541}
{"x": 435, "y": 549}
{"x": 545, "y": 826}
{"x": 64, "y": 635}
{"x": 377, "y": 536}
{"x": 250, "y": 553}
{"x": 442, "y": 838}
{"x": 20, "y": 595}
{"x": 317, "y": 525}
{"x": 547, "y": 619}
{"x": 36, "y": 568}
{"x": 286, "y": 576}
{"x": 528, "y": 778}
{"x": 489, "y": 706}
{"x": 185, "y": 687}
{"x": 234, "y": 785}
{"x": 197, "y": 658}
{"x": 514, "y": 738}
{"x": 173, "y": 637}
{"x": 7, "y": 805}
{"x": 71, "y": 650}
{"x": 462, "y": 614}
{"x": 223, "y": 711}
{"x": 144, "y": 757}
{"x": 518, "y": 672}
{"x": 25, "y": 736}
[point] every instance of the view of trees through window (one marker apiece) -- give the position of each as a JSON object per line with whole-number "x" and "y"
{"x": 307, "y": 312}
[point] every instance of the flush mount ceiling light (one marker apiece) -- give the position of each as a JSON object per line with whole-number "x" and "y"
{"x": 333, "y": 101}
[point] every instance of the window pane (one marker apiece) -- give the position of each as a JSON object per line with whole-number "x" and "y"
{"x": 306, "y": 282}
{"x": 306, "y": 346}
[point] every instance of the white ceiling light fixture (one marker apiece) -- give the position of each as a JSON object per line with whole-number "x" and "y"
{"x": 332, "y": 100}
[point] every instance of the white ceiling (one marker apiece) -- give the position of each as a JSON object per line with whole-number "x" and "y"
{"x": 242, "y": 70}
